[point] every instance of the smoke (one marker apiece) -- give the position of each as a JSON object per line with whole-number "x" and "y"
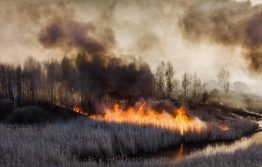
{"x": 102, "y": 71}
{"x": 229, "y": 23}
{"x": 72, "y": 34}
{"x": 130, "y": 80}
{"x": 147, "y": 42}
{"x": 148, "y": 29}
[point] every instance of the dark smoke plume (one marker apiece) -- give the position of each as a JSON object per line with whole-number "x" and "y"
{"x": 72, "y": 34}
{"x": 229, "y": 23}
{"x": 100, "y": 71}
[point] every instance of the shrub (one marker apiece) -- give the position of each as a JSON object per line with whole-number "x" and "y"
{"x": 29, "y": 115}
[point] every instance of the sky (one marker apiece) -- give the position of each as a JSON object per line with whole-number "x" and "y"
{"x": 147, "y": 30}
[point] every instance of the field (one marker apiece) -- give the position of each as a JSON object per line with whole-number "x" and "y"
{"x": 246, "y": 152}
{"x": 40, "y": 136}
{"x": 82, "y": 141}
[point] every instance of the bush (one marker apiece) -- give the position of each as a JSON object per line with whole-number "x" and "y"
{"x": 29, "y": 115}
{"x": 6, "y": 107}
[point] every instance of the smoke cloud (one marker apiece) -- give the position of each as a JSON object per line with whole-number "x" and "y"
{"x": 228, "y": 23}
{"x": 71, "y": 34}
{"x": 103, "y": 72}
{"x": 152, "y": 30}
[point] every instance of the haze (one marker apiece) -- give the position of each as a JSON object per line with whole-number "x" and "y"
{"x": 147, "y": 30}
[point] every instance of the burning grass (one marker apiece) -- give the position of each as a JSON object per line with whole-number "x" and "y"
{"x": 109, "y": 138}
{"x": 144, "y": 114}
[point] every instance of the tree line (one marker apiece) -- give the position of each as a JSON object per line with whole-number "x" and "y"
{"x": 190, "y": 86}
{"x": 68, "y": 82}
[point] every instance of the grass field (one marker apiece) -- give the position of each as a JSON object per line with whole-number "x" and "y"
{"x": 81, "y": 142}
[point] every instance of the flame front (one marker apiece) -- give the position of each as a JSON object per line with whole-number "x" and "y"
{"x": 78, "y": 109}
{"x": 177, "y": 120}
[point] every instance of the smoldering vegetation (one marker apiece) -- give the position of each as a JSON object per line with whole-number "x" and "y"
{"x": 248, "y": 102}
{"x": 86, "y": 142}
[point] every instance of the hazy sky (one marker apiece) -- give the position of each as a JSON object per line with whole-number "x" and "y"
{"x": 148, "y": 30}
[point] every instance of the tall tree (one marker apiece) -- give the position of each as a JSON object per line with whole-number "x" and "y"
{"x": 197, "y": 86}
{"x": 223, "y": 79}
{"x": 170, "y": 85}
{"x": 54, "y": 76}
{"x": 185, "y": 84}
{"x": 19, "y": 83}
{"x": 160, "y": 80}
{"x": 32, "y": 73}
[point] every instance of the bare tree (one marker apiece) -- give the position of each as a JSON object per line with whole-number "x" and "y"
{"x": 185, "y": 84}
{"x": 197, "y": 85}
{"x": 223, "y": 79}
{"x": 190, "y": 85}
{"x": 5, "y": 81}
{"x": 160, "y": 80}
{"x": 14, "y": 89}
{"x": 169, "y": 77}
{"x": 68, "y": 80}
{"x": 19, "y": 83}
{"x": 176, "y": 88}
{"x": 54, "y": 75}
{"x": 32, "y": 73}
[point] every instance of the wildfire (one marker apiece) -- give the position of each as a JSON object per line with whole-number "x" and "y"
{"x": 78, "y": 109}
{"x": 224, "y": 127}
{"x": 177, "y": 119}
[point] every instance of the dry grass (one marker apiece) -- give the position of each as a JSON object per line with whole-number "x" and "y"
{"x": 244, "y": 153}
{"x": 88, "y": 143}
{"x": 79, "y": 140}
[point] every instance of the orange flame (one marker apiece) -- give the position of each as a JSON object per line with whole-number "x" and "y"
{"x": 78, "y": 109}
{"x": 177, "y": 120}
{"x": 223, "y": 127}
{"x": 181, "y": 152}
{"x": 75, "y": 108}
